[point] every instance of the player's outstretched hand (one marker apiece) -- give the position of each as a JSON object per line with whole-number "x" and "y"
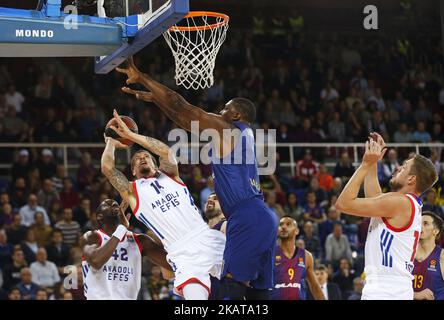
{"x": 134, "y": 75}
{"x": 372, "y": 152}
{"x": 124, "y": 219}
{"x": 141, "y": 95}
{"x": 122, "y": 129}
{"x": 380, "y": 140}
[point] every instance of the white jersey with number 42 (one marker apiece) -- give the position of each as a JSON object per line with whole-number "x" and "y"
{"x": 390, "y": 251}
{"x": 120, "y": 277}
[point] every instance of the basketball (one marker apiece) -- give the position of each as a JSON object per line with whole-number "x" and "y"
{"x": 112, "y": 134}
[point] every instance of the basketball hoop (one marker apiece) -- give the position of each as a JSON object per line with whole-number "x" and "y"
{"x": 195, "y": 42}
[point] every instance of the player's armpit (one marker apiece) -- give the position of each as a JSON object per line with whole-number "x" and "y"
{"x": 313, "y": 284}
{"x": 386, "y": 205}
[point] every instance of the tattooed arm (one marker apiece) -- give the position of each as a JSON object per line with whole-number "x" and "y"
{"x": 168, "y": 161}
{"x": 114, "y": 176}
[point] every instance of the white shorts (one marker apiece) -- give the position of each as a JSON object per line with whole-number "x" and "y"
{"x": 196, "y": 257}
{"x": 386, "y": 288}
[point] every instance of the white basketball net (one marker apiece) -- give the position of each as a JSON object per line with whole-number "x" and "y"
{"x": 195, "y": 46}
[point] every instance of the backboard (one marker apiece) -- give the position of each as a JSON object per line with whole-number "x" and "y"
{"x": 120, "y": 29}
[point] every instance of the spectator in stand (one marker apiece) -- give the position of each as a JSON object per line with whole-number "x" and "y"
{"x": 55, "y": 212}
{"x": 70, "y": 229}
{"x": 14, "y": 294}
{"x": 344, "y": 168}
{"x": 305, "y": 169}
{"x": 11, "y": 272}
{"x": 58, "y": 252}
{"x": 14, "y": 128}
{"x": 34, "y": 181}
{"x": 326, "y": 227}
{"x": 21, "y": 168}
{"x": 15, "y": 99}
{"x": 46, "y": 165}
{"x": 392, "y": 164}
{"x": 28, "y": 289}
{"x": 331, "y": 290}
{"x": 44, "y": 273}
{"x": 16, "y": 231}
{"x": 421, "y": 135}
{"x": 344, "y": 278}
{"x": 337, "y": 187}
{"x": 47, "y": 195}
{"x": 329, "y": 93}
{"x": 6, "y": 249}
{"x": 422, "y": 113}
{"x": 430, "y": 203}
{"x": 86, "y": 172}
{"x": 358, "y": 285}
{"x": 325, "y": 178}
{"x": 19, "y": 193}
{"x": 6, "y": 215}
{"x": 402, "y": 135}
{"x": 312, "y": 210}
{"x": 283, "y": 136}
{"x": 82, "y": 213}
{"x": 270, "y": 201}
{"x": 69, "y": 198}
{"x": 321, "y": 195}
{"x": 42, "y": 294}
{"x": 197, "y": 180}
{"x": 30, "y": 246}
{"x": 42, "y": 231}
{"x": 60, "y": 175}
{"x": 311, "y": 241}
{"x": 28, "y": 211}
{"x": 336, "y": 128}
{"x": 337, "y": 246}
{"x": 294, "y": 209}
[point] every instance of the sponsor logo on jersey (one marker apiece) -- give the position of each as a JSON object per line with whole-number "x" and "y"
{"x": 432, "y": 265}
{"x": 409, "y": 267}
{"x": 301, "y": 262}
{"x": 287, "y": 285}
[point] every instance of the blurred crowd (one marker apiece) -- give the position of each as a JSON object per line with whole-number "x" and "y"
{"x": 311, "y": 88}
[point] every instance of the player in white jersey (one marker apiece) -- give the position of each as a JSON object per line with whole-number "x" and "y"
{"x": 396, "y": 220}
{"x": 161, "y": 201}
{"x": 112, "y": 256}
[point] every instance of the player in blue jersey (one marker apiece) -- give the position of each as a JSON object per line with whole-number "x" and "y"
{"x": 294, "y": 267}
{"x": 428, "y": 282}
{"x": 252, "y": 226}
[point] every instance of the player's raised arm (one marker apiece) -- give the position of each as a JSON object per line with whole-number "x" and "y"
{"x": 168, "y": 162}
{"x": 114, "y": 176}
{"x": 313, "y": 284}
{"x": 385, "y": 205}
{"x": 173, "y": 104}
{"x": 97, "y": 256}
{"x": 371, "y": 182}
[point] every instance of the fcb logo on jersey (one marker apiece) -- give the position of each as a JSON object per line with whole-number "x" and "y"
{"x": 278, "y": 260}
{"x": 432, "y": 265}
{"x": 301, "y": 262}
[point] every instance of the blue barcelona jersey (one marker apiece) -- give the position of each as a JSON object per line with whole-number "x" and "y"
{"x": 427, "y": 274}
{"x": 289, "y": 276}
{"x": 236, "y": 176}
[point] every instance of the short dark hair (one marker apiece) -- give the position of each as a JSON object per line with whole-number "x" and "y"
{"x": 437, "y": 222}
{"x": 246, "y": 108}
{"x": 140, "y": 151}
{"x": 321, "y": 267}
{"x": 425, "y": 173}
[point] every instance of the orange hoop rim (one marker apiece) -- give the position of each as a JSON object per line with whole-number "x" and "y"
{"x": 193, "y": 14}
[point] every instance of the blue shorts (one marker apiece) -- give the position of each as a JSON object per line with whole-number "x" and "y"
{"x": 251, "y": 242}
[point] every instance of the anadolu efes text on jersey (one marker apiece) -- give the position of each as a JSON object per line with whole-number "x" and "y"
{"x": 119, "y": 278}
{"x": 166, "y": 207}
{"x": 390, "y": 251}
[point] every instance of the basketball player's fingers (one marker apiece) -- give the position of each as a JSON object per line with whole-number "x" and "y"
{"x": 128, "y": 90}
{"x": 116, "y": 130}
{"x": 128, "y": 216}
{"x": 130, "y": 62}
{"x": 122, "y": 70}
{"x": 120, "y": 122}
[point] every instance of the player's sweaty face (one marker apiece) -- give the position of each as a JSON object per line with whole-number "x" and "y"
{"x": 212, "y": 207}
{"x": 143, "y": 163}
{"x": 399, "y": 177}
